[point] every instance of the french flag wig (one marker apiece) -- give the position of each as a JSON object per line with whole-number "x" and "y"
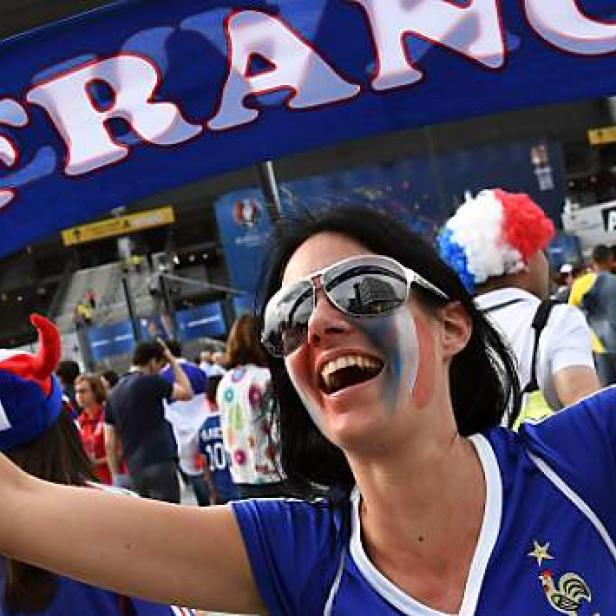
{"x": 493, "y": 234}
{"x": 30, "y": 394}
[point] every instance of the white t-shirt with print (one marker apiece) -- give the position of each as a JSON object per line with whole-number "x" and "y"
{"x": 246, "y": 426}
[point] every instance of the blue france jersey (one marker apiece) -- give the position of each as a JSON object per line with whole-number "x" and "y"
{"x": 212, "y": 447}
{"x": 546, "y": 545}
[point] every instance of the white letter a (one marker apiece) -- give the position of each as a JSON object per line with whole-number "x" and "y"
{"x": 296, "y": 66}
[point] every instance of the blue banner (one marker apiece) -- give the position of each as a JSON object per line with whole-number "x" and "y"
{"x": 564, "y": 249}
{"x": 204, "y": 321}
{"x": 243, "y": 304}
{"x": 110, "y": 340}
{"x": 144, "y": 95}
{"x": 422, "y": 191}
{"x": 243, "y": 225}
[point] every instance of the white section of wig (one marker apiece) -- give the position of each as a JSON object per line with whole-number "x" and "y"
{"x": 477, "y": 227}
{"x": 6, "y": 353}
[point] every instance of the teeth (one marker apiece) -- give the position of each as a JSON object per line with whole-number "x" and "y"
{"x": 344, "y": 362}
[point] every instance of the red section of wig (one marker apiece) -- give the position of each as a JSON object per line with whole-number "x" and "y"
{"x": 525, "y": 225}
{"x": 39, "y": 367}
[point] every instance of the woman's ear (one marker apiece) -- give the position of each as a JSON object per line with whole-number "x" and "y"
{"x": 456, "y": 328}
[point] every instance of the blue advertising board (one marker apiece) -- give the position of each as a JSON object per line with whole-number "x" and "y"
{"x": 117, "y": 338}
{"x": 564, "y": 249}
{"x": 205, "y": 321}
{"x": 425, "y": 190}
{"x": 110, "y": 340}
{"x": 243, "y": 304}
{"x": 94, "y": 107}
{"x": 534, "y": 166}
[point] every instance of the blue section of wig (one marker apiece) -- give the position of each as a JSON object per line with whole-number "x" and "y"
{"x": 29, "y": 412}
{"x": 453, "y": 254}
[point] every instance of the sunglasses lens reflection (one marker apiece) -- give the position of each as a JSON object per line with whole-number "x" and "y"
{"x": 286, "y": 318}
{"x": 366, "y": 289}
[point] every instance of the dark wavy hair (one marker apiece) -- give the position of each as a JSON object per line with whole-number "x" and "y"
{"x": 483, "y": 379}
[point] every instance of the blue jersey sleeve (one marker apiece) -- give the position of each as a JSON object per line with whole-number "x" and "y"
{"x": 196, "y": 376}
{"x": 294, "y": 549}
{"x": 579, "y": 444}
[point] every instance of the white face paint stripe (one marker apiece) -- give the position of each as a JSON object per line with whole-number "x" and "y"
{"x": 5, "y": 424}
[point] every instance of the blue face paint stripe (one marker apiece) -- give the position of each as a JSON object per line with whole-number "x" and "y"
{"x": 394, "y": 339}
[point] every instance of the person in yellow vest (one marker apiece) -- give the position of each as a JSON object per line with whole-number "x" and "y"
{"x": 84, "y": 313}
{"x": 595, "y": 293}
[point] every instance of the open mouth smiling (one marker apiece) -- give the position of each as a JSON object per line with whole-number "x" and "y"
{"x": 348, "y": 370}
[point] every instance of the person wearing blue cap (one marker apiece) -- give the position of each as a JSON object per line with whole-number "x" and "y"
{"x": 39, "y": 435}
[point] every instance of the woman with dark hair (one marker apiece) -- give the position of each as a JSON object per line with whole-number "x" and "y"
{"x": 244, "y": 399}
{"x": 309, "y": 457}
{"x": 391, "y": 386}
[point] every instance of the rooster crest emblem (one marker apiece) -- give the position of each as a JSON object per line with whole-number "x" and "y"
{"x": 567, "y": 597}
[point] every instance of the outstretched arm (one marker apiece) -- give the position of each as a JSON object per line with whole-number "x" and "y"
{"x": 167, "y": 553}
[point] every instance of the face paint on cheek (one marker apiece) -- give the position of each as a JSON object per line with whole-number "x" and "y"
{"x": 395, "y": 339}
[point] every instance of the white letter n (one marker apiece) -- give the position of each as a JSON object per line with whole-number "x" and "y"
{"x": 473, "y": 31}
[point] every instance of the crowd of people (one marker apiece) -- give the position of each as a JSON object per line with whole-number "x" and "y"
{"x": 435, "y": 414}
{"x": 169, "y": 421}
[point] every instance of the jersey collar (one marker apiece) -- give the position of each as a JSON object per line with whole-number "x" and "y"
{"x": 488, "y": 535}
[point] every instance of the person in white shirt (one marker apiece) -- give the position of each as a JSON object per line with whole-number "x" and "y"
{"x": 244, "y": 397}
{"x": 186, "y": 418}
{"x": 496, "y": 243}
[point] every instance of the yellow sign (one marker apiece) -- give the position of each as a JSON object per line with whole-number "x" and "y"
{"x": 122, "y": 225}
{"x": 601, "y": 136}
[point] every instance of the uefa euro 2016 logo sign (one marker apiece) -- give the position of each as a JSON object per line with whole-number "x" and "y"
{"x": 246, "y": 212}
